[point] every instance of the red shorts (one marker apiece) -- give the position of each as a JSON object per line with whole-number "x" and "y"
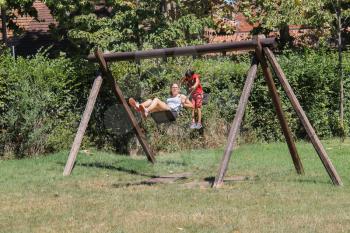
{"x": 197, "y": 99}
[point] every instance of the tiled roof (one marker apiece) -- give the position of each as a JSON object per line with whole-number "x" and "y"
{"x": 45, "y": 19}
{"x": 242, "y": 24}
{"x": 41, "y": 24}
{"x": 244, "y": 28}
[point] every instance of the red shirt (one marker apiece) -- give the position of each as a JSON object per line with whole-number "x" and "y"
{"x": 191, "y": 81}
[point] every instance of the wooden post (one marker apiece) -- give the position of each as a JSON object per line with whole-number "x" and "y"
{"x": 278, "y": 107}
{"x": 303, "y": 118}
{"x": 234, "y": 131}
{"x": 83, "y": 125}
{"x": 118, "y": 93}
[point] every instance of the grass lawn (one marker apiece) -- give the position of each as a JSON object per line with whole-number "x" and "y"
{"x": 102, "y": 195}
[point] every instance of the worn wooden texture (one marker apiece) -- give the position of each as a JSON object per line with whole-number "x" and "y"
{"x": 83, "y": 125}
{"x": 279, "y": 111}
{"x": 234, "y": 131}
{"x": 303, "y": 118}
{"x": 118, "y": 93}
{"x": 185, "y": 51}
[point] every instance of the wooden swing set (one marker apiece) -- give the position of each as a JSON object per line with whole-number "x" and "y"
{"x": 263, "y": 55}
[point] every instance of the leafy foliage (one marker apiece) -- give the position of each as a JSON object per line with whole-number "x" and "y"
{"x": 126, "y": 25}
{"x": 13, "y": 8}
{"x": 40, "y": 101}
{"x": 271, "y": 15}
{"x": 37, "y": 97}
{"x": 309, "y": 72}
{"x": 40, "y": 98}
{"x": 277, "y": 15}
{"x": 187, "y": 30}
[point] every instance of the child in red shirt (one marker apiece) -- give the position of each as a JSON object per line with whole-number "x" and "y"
{"x": 192, "y": 81}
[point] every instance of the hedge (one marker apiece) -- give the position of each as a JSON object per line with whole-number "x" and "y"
{"x": 42, "y": 99}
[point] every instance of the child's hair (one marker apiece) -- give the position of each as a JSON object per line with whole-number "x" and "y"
{"x": 189, "y": 73}
{"x": 171, "y": 86}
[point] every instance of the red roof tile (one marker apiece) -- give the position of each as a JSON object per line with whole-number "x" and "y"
{"x": 41, "y": 24}
{"x": 242, "y": 25}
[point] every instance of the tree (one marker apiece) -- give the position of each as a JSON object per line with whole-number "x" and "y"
{"x": 10, "y": 10}
{"x": 216, "y": 10}
{"x": 340, "y": 9}
{"x": 323, "y": 15}
{"x": 200, "y": 8}
{"x": 64, "y": 12}
{"x": 333, "y": 15}
{"x": 125, "y": 25}
{"x": 3, "y": 21}
{"x": 187, "y": 30}
{"x": 275, "y": 15}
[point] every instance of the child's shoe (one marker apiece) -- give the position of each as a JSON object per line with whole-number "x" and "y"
{"x": 198, "y": 126}
{"x": 134, "y": 104}
{"x": 193, "y": 125}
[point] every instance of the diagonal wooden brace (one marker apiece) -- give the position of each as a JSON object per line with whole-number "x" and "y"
{"x": 234, "y": 131}
{"x": 278, "y": 107}
{"x": 83, "y": 125}
{"x": 119, "y": 94}
{"x": 303, "y": 118}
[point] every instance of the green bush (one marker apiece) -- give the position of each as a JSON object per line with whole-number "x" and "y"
{"x": 37, "y": 97}
{"x": 312, "y": 74}
{"x": 41, "y": 101}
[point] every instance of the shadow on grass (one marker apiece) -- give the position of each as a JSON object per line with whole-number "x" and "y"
{"x": 125, "y": 185}
{"x": 232, "y": 179}
{"x": 114, "y": 168}
{"x": 109, "y": 167}
{"x": 144, "y": 182}
{"x": 210, "y": 180}
{"x": 165, "y": 179}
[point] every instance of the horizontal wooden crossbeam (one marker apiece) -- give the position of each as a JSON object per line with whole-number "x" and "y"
{"x": 247, "y": 45}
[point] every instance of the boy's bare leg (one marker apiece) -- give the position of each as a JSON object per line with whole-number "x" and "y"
{"x": 199, "y": 112}
{"x": 193, "y": 116}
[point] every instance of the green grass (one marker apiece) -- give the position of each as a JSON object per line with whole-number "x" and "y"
{"x": 100, "y": 197}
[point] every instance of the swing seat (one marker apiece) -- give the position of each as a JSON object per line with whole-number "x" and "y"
{"x": 163, "y": 117}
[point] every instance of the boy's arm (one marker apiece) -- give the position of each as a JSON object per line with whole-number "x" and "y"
{"x": 194, "y": 87}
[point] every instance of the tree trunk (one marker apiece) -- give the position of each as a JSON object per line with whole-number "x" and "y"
{"x": 340, "y": 72}
{"x": 3, "y": 24}
{"x": 170, "y": 9}
{"x": 285, "y": 38}
{"x": 139, "y": 39}
{"x": 164, "y": 8}
{"x": 174, "y": 9}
